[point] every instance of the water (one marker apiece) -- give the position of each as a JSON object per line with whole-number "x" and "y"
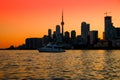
{"x": 70, "y": 65}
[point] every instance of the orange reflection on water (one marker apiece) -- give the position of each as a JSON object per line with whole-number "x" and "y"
{"x": 72, "y": 64}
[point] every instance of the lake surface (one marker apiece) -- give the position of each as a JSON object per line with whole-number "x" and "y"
{"x": 69, "y": 65}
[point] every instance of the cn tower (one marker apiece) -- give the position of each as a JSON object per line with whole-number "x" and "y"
{"x": 62, "y": 24}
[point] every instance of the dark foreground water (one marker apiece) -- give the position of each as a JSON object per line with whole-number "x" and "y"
{"x": 70, "y": 65}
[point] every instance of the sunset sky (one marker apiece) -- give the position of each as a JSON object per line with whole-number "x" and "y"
{"x": 20, "y": 19}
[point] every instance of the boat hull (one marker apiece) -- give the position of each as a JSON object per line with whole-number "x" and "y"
{"x": 51, "y": 50}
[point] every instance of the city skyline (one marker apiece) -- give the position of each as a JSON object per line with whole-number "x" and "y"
{"x": 87, "y": 40}
{"x": 18, "y": 23}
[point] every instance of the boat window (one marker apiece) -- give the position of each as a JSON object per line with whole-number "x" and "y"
{"x": 48, "y": 46}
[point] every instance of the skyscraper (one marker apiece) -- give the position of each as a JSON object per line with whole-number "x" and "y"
{"x": 67, "y": 37}
{"x": 57, "y": 29}
{"x": 67, "y": 34}
{"x": 58, "y": 35}
{"x": 73, "y": 34}
{"x": 54, "y": 36}
{"x": 109, "y": 28}
{"x": 85, "y": 28}
{"x": 93, "y": 37}
{"x": 62, "y": 24}
{"x": 73, "y": 37}
{"x": 33, "y": 43}
{"x": 49, "y": 33}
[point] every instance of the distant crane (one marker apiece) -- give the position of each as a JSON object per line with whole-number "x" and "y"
{"x": 107, "y": 13}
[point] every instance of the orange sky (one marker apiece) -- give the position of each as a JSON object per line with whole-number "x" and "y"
{"x": 20, "y": 19}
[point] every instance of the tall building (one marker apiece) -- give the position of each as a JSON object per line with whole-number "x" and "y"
{"x": 54, "y": 36}
{"x": 33, "y": 43}
{"x": 67, "y": 35}
{"x": 93, "y": 37}
{"x": 79, "y": 40}
{"x": 109, "y": 28}
{"x": 73, "y": 37}
{"x": 58, "y": 35}
{"x": 45, "y": 40}
{"x": 62, "y": 24}
{"x": 50, "y": 37}
{"x": 85, "y": 28}
{"x": 49, "y": 33}
{"x": 57, "y": 29}
{"x": 73, "y": 34}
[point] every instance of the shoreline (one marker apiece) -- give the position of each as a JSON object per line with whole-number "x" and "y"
{"x": 74, "y": 49}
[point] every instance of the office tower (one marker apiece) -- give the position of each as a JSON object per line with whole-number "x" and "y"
{"x": 50, "y": 37}
{"x": 57, "y": 29}
{"x": 93, "y": 37}
{"x": 73, "y": 34}
{"x": 85, "y": 28}
{"x": 109, "y": 28}
{"x": 73, "y": 37}
{"x": 67, "y": 35}
{"x": 54, "y": 36}
{"x": 49, "y": 33}
{"x": 58, "y": 35}
{"x": 62, "y": 24}
{"x": 33, "y": 43}
{"x": 79, "y": 40}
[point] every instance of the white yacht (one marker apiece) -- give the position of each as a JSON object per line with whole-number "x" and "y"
{"x": 51, "y": 48}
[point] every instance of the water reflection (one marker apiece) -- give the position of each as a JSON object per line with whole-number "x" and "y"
{"x": 71, "y": 65}
{"x": 112, "y": 65}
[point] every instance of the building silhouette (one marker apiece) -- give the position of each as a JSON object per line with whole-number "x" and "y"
{"x": 85, "y": 29}
{"x": 73, "y": 34}
{"x": 67, "y": 37}
{"x": 79, "y": 40}
{"x": 109, "y": 29}
{"x": 111, "y": 34}
{"x": 87, "y": 40}
{"x": 73, "y": 37}
{"x": 33, "y": 43}
{"x": 93, "y": 37}
{"x": 54, "y": 36}
{"x": 49, "y": 33}
{"x": 67, "y": 34}
{"x": 57, "y": 30}
{"x": 58, "y": 35}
